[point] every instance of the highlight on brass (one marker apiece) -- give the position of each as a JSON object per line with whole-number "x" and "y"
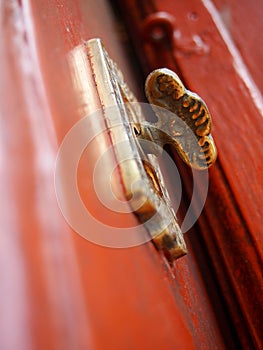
{"x": 191, "y": 138}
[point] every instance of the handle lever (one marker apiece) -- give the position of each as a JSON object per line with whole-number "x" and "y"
{"x": 183, "y": 119}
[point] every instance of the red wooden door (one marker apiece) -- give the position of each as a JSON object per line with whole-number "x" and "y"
{"x": 60, "y": 291}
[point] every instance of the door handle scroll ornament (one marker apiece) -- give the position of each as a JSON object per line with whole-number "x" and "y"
{"x": 192, "y": 137}
{"x": 183, "y": 121}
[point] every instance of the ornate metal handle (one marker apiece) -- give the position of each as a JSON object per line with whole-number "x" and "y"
{"x": 188, "y": 127}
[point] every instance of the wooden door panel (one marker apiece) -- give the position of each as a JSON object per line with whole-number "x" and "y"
{"x": 59, "y": 290}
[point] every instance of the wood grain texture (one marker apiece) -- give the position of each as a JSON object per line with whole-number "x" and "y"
{"x": 59, "y": 291}
{"x": 220, "y": 68}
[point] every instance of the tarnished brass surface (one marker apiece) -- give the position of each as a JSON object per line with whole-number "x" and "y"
{"x": 141, "y": 176}
{"x": 188, "y": 127}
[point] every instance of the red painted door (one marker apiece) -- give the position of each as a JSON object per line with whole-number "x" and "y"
{"x": 60, "y": 291}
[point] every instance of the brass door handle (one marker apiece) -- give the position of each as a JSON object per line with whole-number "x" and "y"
{"x": 188, "y": 127}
